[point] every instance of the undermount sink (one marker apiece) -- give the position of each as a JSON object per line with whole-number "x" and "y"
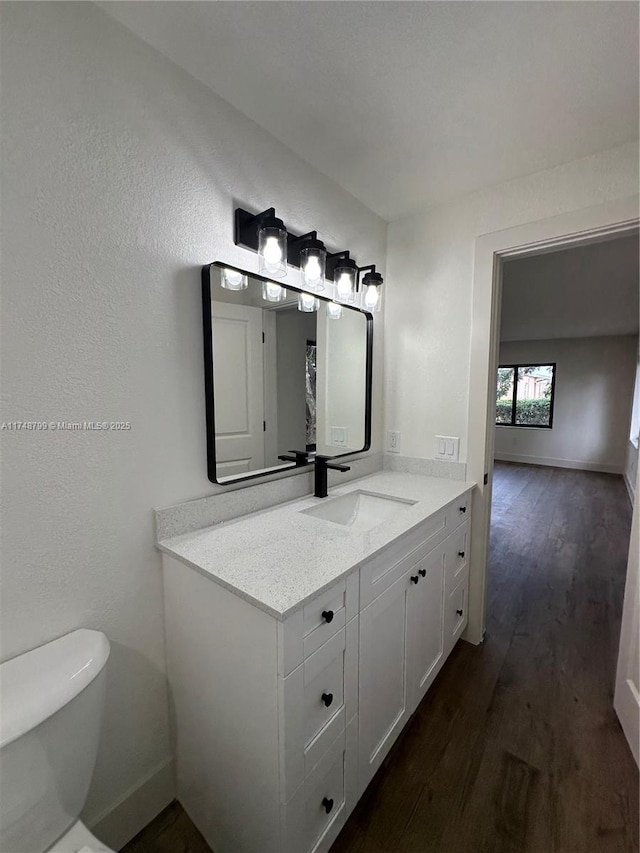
{"x": 359, "y": 510}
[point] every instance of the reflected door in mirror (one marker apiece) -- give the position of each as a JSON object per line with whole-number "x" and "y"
{"x": 238, "y": 388}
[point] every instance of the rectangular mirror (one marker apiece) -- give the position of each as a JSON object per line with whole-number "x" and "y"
{"x": 280, "y": 379}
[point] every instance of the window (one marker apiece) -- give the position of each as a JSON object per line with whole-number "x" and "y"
{"x": 525, "y": 395}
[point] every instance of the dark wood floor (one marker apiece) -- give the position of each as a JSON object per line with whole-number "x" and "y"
{"x": 516, "y": 747}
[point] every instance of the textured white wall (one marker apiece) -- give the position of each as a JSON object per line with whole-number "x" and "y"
{"x": 580, "y": 292}
{"x": 429, "y": 284}
{"x": 592, "y": 407}
{"x": 120, "y": 174}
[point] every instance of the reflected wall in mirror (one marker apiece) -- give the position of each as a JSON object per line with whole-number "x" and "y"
{"x": 278, "y": 378}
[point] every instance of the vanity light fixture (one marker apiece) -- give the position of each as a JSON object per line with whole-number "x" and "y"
{"x": 334, "y": 310}
{"x": 278, "y": 248}
{"x": 233, "y": 280}
{"x": 307, "y": 302}
{"x": 313, "y": 259}
{"x": 345, "y": 275}
{"x": 272, "y": 292}
{"x": 266, "y": 233}
{"x": 371, "y": 289}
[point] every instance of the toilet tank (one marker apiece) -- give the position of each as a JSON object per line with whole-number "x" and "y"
{"x": 51, "y": 702}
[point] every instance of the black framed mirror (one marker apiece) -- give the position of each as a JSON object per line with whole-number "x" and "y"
{"x": 284, "y": 371}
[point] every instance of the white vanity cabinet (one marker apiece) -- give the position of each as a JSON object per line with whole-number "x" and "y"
{"x": 280, "y": 723}
{"x": 407, "y": 631}
{"x": 264, "y": 714}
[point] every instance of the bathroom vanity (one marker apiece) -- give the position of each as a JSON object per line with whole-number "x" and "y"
{"x": 300, "y": 640}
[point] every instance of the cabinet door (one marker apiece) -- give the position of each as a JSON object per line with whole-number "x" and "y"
{"x": 384, "y": 695}
{"x": 426, "y": 623}
{"x": 455, "y": 615}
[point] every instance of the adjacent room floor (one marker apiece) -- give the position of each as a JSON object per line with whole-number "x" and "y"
{"x": 516, "y": 747}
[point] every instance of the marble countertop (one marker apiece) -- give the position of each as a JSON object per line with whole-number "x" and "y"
{"x": 280, "y": 558}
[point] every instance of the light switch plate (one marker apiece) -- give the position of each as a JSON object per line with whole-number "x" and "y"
{"x": 447, "y": 447}
{"x": 393, "y": 441}
{"x": 339, "y": 436}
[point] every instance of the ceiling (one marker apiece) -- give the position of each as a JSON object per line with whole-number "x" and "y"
{"x": 409, "y": 104}
{"x": 573, "y": 293}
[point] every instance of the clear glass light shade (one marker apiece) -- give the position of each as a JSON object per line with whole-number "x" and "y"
{"x": 307, "y": 302}
{"x": 272, "y": 251}
{"x": 272, "y": 292}
{"x": 234, "y": 280}
{"x": 345, "y": 282}
{"x": 334, "y": 311}
{"x": 312, "y": 265}
{"x": 371, "y": 299}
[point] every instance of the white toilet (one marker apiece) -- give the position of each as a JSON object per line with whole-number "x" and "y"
{"x": 51, "y": 702}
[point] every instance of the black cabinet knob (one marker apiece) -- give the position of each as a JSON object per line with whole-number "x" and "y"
{"x": 327, "y": 698}
{"x": 463, "y": 509}
{"x": 327, "y": 615}
{"x": 459, "y": 612}
{"x": 422, "y": 572}
{"x": 460, "y": 553}
{"x": 414, "y": 578}
{"x": 328, "y": 804}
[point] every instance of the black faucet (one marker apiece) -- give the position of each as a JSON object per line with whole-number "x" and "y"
{"x": 322, "y": 463}
{"x": 300, "y": 457}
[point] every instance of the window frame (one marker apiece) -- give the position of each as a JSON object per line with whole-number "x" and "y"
{"x": 514, "y": 402}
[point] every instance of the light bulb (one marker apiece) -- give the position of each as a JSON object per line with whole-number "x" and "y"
{"x": 344, "y": 285}
{"x": 273, "y": 292}
{"x": 307, "y": 302}
{"x": 371, "y": 296}
{"x": 272, "y": 252}
{"x": 312, "y": 270}
{"x": 233, "y": 280}
{"x": 272, "y": 248}
{"x": 334, "y": 310}
{"x": 312, "y": 265}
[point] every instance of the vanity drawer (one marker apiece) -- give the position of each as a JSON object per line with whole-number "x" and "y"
{"x": 317, "y": 700}
{"x": 316, "y": 812}
{"x": 455, "y": 617}
{"x": 307, "y": 629}
{"x": 457, "y": 557}
{"x": 462, "y": 508}
{"x": 323, "y": 685}
{"x": 379, "y": 573}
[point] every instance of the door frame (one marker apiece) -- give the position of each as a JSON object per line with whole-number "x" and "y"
{"x": 589, "y": 225}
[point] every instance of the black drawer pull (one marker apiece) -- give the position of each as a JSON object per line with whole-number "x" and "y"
{"x": 422, "y": 572}
{"x": 327, "y": 698}
{"x": 414, "y": 578}
{"x": 327, "y": 615}
{"x": 463, "y": 509}
{"x": 328, "y": 804}
{"x": 460, "y": 553}
{"x": 459, "y": 612}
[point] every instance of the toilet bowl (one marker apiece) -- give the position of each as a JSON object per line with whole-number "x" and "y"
{"x": 51, "y": 702}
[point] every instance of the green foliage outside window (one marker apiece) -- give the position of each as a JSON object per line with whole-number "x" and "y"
{"x": 533, "y": 412}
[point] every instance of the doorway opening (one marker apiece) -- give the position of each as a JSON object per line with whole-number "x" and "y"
{"x": 524, "y": 445}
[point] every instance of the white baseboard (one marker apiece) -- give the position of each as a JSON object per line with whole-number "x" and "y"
{"x": 630, "y": 490}
{"x": 559, "y": 463}
{"x": 137, "y": 807}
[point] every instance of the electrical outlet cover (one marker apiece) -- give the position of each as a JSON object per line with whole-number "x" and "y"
{"x": 393, "y": 441}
